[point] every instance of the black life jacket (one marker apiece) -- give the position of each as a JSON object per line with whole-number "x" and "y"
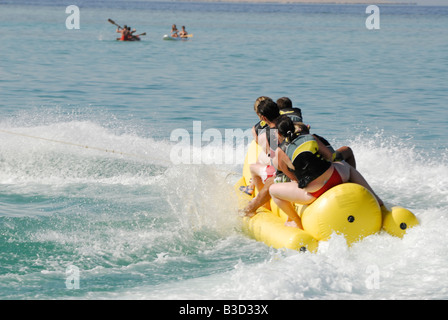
{"x": 294, "y": 113}
{"x": 308, "y": 163}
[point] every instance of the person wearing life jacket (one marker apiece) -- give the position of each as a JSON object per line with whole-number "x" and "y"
{"x": 344, "y": 153}
{"x": 267, "y": 140}
{"x": 295, "y": 114}
{"x": 256, "y": 129}
{"x": 263, "y": 171}
{"x": 260, "y": 124}
{"x": 308, "y": 163}
{"x": 285, "y": 106}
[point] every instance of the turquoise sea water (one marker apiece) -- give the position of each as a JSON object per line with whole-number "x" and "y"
{"x": 138, "y": 226}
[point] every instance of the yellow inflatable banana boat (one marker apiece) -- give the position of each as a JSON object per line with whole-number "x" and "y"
{"x": 348, "y": 209}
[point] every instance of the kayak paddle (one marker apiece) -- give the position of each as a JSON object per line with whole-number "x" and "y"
{"x": 113, "y": 22}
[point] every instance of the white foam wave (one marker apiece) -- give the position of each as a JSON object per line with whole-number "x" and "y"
{"x": 78, "y": 152}
{"x": 402, "y": 174}
{"x": 379, "y": 267}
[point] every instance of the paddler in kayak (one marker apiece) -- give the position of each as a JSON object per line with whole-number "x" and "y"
{"x": 124, "y": 33}
{"x": 131, "y": 36}
{"x": 183, "y": 33}
{"x": 127, "y": 34}
{"x": 174, "y": 31}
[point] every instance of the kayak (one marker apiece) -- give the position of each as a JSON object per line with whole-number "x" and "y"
{"x": 133, "y": 39}
{"x": 348, "y": 209}
{"x": 167, "y": 37}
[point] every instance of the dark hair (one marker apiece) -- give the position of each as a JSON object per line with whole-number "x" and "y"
{"x": 259, "y": 100}
{"x": 286, "y": 128}
{"x": 302, "y": 128}
{"x": 269, "y": 109}
{"x": 284, "y": 102}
